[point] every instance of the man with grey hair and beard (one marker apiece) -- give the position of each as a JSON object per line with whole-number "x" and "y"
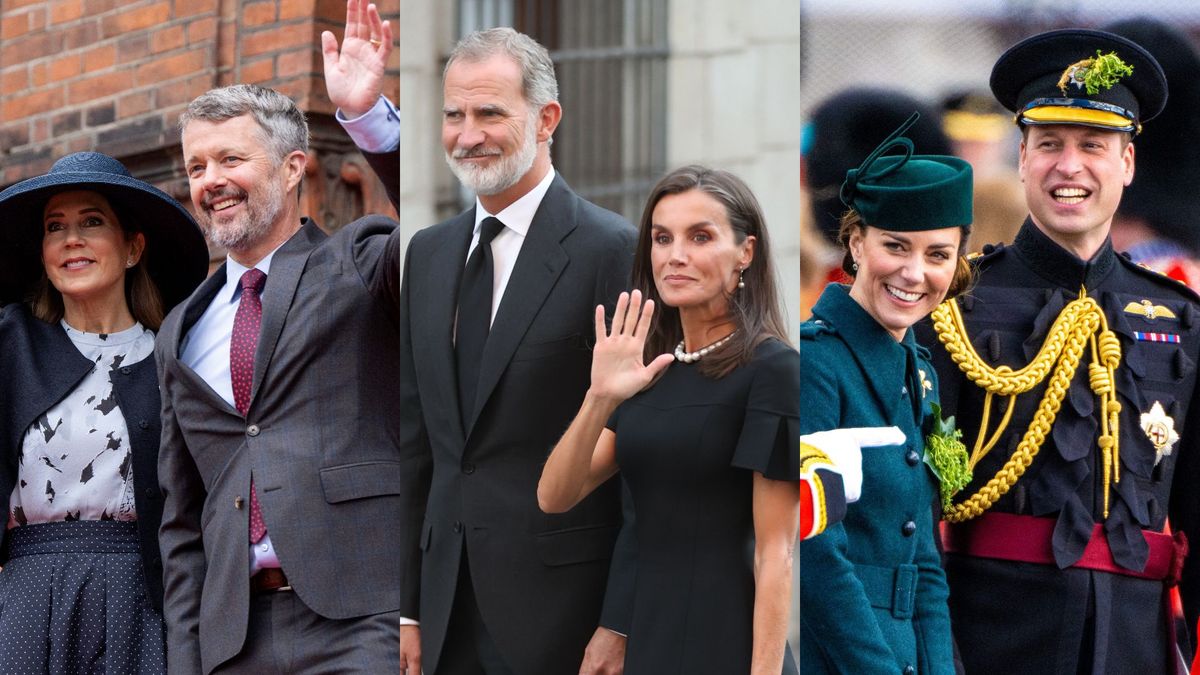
{"x": 496, "y": 318}
{"x": 280, "y": 463}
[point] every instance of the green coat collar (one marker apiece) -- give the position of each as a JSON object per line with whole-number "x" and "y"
{"x": 883, "y": 359}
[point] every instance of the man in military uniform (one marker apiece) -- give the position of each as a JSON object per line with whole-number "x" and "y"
{"x": 1076, "y": 371}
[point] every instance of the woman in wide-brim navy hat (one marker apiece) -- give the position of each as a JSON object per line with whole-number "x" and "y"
{"x": 90, "y": 261}
{"x": 872, "y": 589}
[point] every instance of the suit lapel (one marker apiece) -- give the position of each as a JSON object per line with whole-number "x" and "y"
{"x": 540, "y": 263}
{"x": 193, "y": 310}
{"x": 438, "y": 308}
{"x": 287, "y": 265}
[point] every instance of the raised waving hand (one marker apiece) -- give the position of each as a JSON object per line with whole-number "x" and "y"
{"x": 354, "y": 73}
{"x": 618, "y": 369}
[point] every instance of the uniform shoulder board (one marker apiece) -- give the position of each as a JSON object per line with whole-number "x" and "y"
{"x": 1159, "y": 277}
{"x": 987, "y": 253}
{"x": 811, "y": 329}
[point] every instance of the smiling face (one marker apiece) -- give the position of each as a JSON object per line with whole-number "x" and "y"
{"x": 1074, "y": 177}
{"x": 491, "y": 134}
{"x": 695, "y": 254}
{"x": 238, "y": 188}
{"x": 84, "y": 250}
{"x": 902, "y": 276}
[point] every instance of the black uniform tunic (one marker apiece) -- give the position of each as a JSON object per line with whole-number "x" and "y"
{"x": 1015, "y": 617}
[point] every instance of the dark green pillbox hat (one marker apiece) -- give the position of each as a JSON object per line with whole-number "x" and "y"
{"x": 909, "y": 193}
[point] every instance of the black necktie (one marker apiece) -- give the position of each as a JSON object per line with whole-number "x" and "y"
{"x": 474, "y": 315}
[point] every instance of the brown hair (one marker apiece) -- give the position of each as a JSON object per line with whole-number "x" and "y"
{"x": 964, "y": 274}
{"x": 141, "y": 293}
{"x": 753, "y": 309}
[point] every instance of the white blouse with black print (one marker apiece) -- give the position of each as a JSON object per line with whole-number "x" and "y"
{"x": 75, "y": 461}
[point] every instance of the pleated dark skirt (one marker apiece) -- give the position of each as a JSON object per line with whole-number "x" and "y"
{"x": 73, "y": 602}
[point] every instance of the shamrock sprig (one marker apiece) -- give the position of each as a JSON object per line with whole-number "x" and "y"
{"x": 946, "y": 456}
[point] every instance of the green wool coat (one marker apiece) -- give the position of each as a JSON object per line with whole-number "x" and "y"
{"x": 872, "y": 591}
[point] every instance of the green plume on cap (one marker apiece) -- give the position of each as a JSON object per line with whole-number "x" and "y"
{"x": 1102, "y": 72}
{"x": 1107, "y": 70}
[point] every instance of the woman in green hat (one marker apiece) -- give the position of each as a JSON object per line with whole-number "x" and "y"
{"x": 872, "y": 591}
{"x": 90, "y": 261}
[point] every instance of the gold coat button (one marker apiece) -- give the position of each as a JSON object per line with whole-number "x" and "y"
{"x": 237, "y": 503}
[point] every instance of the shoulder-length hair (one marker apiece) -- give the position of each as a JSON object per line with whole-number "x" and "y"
{"x": 753, "y": 309}
{"x": 141, "y": 293}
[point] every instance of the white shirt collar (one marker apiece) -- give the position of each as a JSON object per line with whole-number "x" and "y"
{"x": 234, "y": 271}
{"x": 518, "y": 215}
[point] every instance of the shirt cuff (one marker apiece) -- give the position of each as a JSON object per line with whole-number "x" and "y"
{"x": 615, "y": 632}
{"x": 375, "y": 131}
{"x": 405, "y": 621}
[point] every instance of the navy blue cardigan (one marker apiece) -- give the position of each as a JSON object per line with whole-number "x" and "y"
{"x": 40, "y": 366}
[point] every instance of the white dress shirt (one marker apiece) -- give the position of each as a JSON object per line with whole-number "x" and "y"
{"x": 507, "y": 244}
{"x": 206, "y": 351}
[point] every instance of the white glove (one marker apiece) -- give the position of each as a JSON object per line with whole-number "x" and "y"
{"x": 843, "y": 447}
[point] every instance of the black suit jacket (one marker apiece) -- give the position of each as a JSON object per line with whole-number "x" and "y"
{"x": 539, "y": 579}
{"x": 42, "y": 367}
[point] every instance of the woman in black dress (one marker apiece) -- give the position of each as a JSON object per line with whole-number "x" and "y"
{"x": 697, "y": 405}
{"x": 90, "y": 260}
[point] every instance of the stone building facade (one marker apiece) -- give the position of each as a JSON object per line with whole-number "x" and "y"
{"x": 646, "y": 86}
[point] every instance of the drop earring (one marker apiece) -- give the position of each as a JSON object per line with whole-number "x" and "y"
{"x": 741, "y": 281}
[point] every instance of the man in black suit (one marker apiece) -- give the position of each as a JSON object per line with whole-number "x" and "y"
{"x": 495, "y": 360}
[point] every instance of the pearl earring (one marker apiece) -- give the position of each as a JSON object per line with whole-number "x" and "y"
{"x": 129, "y": 263}
{"x": 741, "y": 281}
{"x": 854, "y": 266}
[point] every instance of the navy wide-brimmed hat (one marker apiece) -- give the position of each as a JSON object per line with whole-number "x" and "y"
{"x": 910, "y": 193}
{"x": 1080, "y": 77}
{"x": 176, "y": 255}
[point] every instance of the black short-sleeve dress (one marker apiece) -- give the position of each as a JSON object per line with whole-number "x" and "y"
{"x": 688, "y": 447}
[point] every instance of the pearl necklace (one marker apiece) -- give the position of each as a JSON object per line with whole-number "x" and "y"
{"x": 692, "y": 357}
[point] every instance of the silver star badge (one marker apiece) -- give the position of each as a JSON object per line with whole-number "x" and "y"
{"x": 1160, "y": 429}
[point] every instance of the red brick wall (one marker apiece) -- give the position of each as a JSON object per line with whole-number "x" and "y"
{"x": 113, "y": 75}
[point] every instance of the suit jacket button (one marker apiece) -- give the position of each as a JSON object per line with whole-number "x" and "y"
{"x": 457, "y": 527}
{"x": 908, "y": 529}
{"x": 468, "y": 468}
{"x": 126, "y": 370}
{"x": 252, "y": 430}
{"x": 143, "y": 424}
{"x": 912, "y": 457}
{"x": 237, "y": 503}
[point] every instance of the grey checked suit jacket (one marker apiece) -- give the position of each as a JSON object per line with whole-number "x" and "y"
{"x": 539, "y": 579}
{"x": 321, "y": 439}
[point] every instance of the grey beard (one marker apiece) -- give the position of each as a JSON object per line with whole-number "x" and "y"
{"x": 244, "y": 233}
{"x": 505, "y": 173}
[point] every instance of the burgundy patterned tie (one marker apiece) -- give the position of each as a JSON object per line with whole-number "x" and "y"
{"x": 246, "y": 324}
